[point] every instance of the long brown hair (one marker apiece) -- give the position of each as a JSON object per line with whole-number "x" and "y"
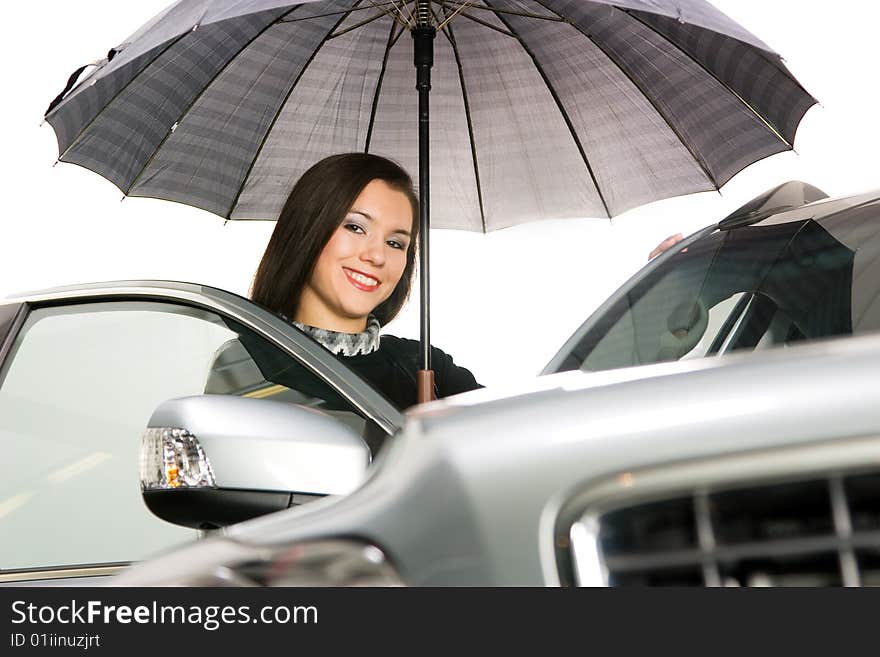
{"x": 317, "y": 204}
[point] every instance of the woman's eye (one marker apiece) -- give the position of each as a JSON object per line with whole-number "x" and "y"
{"x": 354, "y": 228}
{"x": 394, "y": 244}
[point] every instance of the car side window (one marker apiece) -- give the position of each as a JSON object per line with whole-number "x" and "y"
{"x": 722, "y": 319}
{"x": 79, "y": 387}
{"x": 748, "y": 288}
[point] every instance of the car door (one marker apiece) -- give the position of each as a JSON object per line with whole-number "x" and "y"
{"x": 83, "y": 369}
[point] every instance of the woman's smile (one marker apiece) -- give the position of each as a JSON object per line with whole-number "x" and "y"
{"x": 361, "y": 280}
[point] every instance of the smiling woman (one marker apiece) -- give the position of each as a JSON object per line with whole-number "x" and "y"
{"x": 362, "y": 263}
{"x": 339, "y": 266}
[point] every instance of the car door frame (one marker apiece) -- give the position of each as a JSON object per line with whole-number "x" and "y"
{"x": 318, "y": 360}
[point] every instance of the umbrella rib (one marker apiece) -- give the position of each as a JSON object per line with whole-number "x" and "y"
{"x": 467, "y": 113}
{"x": 406, "y": 22}
{"x": 697, "y": 158}
{"x": 559, "y": 106}
{"x": 367, "y": 21}
{"x": 115, "y": 96}
{"x": 468, "y": 5}
{"x": 196, "y": 98}
{"x": 392, "y": 39}
{"x": 715, "y": 77}
{"x": 455, "y": 13}
{"x": 373, "y": 5}
{"x": 487, "y": 24}
{"x": 281, "y": 107}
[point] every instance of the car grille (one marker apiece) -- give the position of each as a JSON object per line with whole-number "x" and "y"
{"x": 817, "y": 531}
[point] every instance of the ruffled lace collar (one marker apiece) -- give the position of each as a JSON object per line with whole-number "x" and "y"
{"x": 347, "y": 344}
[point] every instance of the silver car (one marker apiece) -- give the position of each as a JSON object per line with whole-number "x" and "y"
{"x": 83, "y": 369}
{"x": 652, "y": 462}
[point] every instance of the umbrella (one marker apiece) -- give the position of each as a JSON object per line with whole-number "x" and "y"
{"x": 539, "y": 108}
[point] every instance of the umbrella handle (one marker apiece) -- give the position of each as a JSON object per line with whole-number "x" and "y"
{"x": 425, "y": 380}
{"x": 71, "y": 81}
{"x": 74, "y": 77}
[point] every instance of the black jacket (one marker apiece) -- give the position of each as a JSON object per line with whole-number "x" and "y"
{"x": 392, "y": 371}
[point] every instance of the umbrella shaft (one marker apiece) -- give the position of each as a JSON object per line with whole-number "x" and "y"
{"x": 424, "y": 226}
{"x": 423, "y": 59}
{"x": 423, "y": 13}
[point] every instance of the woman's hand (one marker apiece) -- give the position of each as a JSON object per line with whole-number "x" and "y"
{"x": 668, "y": 243}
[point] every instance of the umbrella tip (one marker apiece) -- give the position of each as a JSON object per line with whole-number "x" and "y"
{"x": 122, "y": 199}
{"x": 54, "y": 163}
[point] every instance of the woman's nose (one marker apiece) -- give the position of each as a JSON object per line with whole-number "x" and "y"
{"x": 374, "y": 251}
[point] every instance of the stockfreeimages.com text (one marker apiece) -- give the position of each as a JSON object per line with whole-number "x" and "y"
{"x": 211, "y": 617}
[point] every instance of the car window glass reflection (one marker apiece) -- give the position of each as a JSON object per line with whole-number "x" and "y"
{"x": 748, "y": 288}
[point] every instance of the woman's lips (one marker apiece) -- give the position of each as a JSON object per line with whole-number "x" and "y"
{"x": 361, "y": 281}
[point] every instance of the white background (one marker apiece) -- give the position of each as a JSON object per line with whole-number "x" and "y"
{"x": 502, "y": 303}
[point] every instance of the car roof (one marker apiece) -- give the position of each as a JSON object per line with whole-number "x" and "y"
{"x": 820, "y": 209}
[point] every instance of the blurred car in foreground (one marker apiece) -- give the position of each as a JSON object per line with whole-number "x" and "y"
{"x": 742, "y": 470}
{"x": 758, "y": 467}
{"x": 671, "y": 466}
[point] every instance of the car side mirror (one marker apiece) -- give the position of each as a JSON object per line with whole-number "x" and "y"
{"x": 213, "y": 460}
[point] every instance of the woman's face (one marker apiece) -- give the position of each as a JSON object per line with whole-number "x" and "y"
{"x": 362, "y": 263}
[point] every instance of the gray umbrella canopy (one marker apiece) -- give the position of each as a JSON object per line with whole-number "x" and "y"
{"x": 539, "y": 108}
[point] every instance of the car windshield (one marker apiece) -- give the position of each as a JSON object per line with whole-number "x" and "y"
{"x": 753, "y": 287}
